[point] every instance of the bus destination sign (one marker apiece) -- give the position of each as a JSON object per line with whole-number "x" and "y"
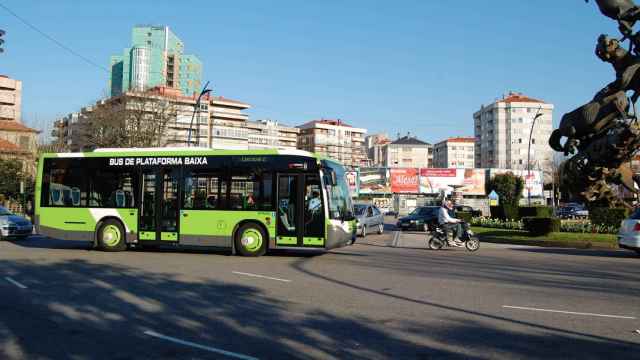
{"x": 154, "y": 161}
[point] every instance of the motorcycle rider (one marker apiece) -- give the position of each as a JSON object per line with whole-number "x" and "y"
{"x": 449, "y": 223}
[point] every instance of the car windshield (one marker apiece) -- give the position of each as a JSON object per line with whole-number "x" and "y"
{"x": 415, "y": 211}
{"x": 5, "y": 212}
{"x": 359, "y": 209}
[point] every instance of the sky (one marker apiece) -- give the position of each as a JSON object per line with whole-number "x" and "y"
{"x": 422, "y": 67}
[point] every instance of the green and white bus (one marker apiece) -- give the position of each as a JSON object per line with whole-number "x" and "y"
{"x": 247, "y": 201}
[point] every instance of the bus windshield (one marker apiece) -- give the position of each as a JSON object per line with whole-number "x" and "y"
{"x": 340, "y": 206}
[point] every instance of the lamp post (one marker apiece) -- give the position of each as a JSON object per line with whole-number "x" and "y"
{"x": 538, "y": 114}
{"x": 196, "y": 107}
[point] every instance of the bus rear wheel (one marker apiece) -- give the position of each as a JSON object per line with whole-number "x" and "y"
{"x": 251, "y": 240}
{"x": 111, "y": 236}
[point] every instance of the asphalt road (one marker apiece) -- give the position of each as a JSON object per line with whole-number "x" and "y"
{"x": 377, "y": 299}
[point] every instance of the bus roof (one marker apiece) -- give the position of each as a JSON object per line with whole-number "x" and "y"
{"x": 179, "y": 151}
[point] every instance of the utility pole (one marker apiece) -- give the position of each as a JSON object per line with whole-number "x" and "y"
{"x": 196, "y": 107}
{"x": 538, "y": 114}
{"x": 2, "y": 32}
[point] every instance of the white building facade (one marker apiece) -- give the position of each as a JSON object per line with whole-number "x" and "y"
{"x": 502, "y": 131}
{"x": 407, "y": 152}
{"x": 457, "y": 152}
{"x": 335, "y": 139}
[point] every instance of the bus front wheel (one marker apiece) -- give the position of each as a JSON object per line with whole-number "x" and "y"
{"x": 111, "y": 236}
{"x": 251, "y": 240}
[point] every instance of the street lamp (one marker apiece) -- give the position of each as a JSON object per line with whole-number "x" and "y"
{"x": 196, "y": 107}
{"x": 538, "y": 114}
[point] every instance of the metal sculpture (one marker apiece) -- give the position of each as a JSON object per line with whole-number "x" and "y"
{"x": 603, "y": 135}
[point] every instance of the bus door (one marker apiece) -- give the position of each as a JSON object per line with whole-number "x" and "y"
{"x": 160, "y": 203}
{"x": 300, "y": 211}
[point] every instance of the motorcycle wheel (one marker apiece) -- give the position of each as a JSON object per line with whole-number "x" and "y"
{"x": 435, "y": 243}
{"x": 472, "y": 244}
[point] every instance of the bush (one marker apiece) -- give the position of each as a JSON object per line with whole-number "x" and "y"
{"x": 535, "y": 211}
{"x": 608, "y": 216}
{"x": 508, "y": 187}
{"x": 505, "y": 212}
{"x": 538, "y": 226}
{"x": 466, "y": 216}
{"x": 496, "y": 223}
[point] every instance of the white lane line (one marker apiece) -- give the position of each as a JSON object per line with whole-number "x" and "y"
{"x": 15, "y": 282}
{"x": 198, "y": 346}
{"x": 260, "y": 276}
{"x": 569, "y": 312}
{"x": 396, "y": 238}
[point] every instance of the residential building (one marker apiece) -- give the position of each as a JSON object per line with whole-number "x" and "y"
{"x": 455, "y": 152}
{"x": 228, "y": 126}
{"x": 155, "y": 58}
{"x": 407, "y": 152}
{"x": 271, "y": 134}
{"x": 10, "y": 99}
{"x": 334, "y": 139}
{"x": 19, "y": 142}
{"x": 502, "y": 131}
{"x": 218, "y": 122}
{"x": 374, "y": 145}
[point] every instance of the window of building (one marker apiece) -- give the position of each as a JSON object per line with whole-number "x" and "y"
{"x": 533, "y": 141}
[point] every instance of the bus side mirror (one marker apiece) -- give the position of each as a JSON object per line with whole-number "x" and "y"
{"x": 334, "y": 179}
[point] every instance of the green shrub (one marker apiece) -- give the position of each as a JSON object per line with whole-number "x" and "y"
{"x": 466, "y": 216}
{"x": 508, "y": 187}
{"x": 538, "y": 226}
{"x": 608, "y": 216}
{"x": 505, "y": 212}
{"x": 535, "y": 211}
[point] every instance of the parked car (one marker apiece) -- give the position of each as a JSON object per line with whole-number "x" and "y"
{"x": 574, "y": 211}
{"x": 13, "y": 226}
{"x": 424, "y": 218}
{"x": 368, "y": 218}
{"x": 629, "y": 233}
{"x": 469, "y": 209}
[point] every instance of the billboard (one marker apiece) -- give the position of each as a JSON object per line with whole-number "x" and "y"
{"x": 404, "y": 180}
{"x": 466, "y": 181}
{"x": 352, "y": 182}
{"x": 374, "y": 181}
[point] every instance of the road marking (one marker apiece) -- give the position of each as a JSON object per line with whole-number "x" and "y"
{"x": 569, "y": 312}
{"x": 396, "y": 238}
{"x": 15, "y": 282}
{"x": 260, "y": 276}
{"x": 198, "y": 346}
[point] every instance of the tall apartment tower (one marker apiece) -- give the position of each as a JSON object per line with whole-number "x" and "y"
{"x": 502, "y": 133}
{"x": 156, "y": 58}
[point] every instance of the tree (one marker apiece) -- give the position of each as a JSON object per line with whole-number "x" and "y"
{"x": 135, "y": 119}
{"x": 10, "y": 176}
{"x": 508, "y": 186}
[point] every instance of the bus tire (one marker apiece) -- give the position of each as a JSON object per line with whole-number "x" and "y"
{"x": 251, "y": 240}
{"x": 111, "y": 236}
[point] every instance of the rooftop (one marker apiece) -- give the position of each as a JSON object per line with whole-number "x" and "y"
{"x": 519, "y": 97}
{"x": 335, "y": 122}
{"x": 462, "y": 139}
{"x": 10, "y": 125}
{"x": 409, "y": 140}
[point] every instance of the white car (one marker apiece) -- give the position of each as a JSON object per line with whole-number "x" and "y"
{"x": 629, "y": 234}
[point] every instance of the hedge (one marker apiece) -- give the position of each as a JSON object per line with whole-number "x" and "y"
{"x": 505, "y": 212}
{"x": 608, "y": 216}
{"x": 465, "y": 216}
{"x": 536, "y": 211}
{"x": 538, "y": 226}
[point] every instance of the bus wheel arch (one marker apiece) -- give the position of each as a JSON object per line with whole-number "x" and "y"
{"x": 110, "y": 234}
{"x": 256, "y": 234}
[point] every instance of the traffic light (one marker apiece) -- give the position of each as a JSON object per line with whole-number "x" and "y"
{"x": 1, "y": 40}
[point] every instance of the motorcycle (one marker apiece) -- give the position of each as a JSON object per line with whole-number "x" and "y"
{"x": 439, "y": 239}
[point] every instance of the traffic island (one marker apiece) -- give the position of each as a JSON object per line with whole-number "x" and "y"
{"x": 555, "y": 239}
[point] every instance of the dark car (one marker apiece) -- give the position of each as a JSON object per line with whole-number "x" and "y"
{"x": 424, "y": 218}
{"x": 469, "y": 209}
